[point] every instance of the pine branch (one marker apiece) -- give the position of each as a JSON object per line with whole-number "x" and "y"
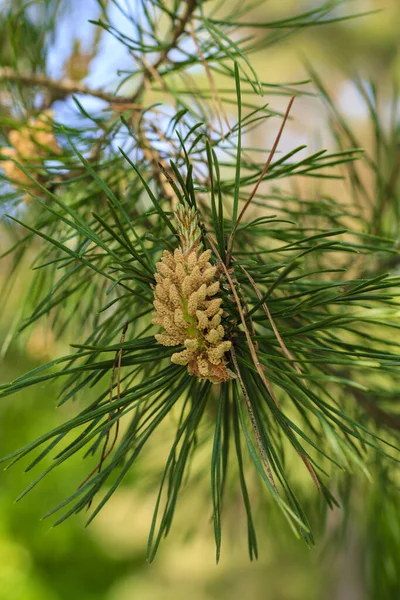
{"x": 308, "y": 340}
{"x": 180, "y": 28}
{"x": 155, "y": 160}
{"x": 63, "y": 87}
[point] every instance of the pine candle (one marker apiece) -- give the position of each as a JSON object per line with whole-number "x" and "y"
{"x": 186, "y": 305}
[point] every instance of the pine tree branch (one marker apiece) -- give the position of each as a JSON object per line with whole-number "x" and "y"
{"x": 152, "y": 72}
{"x": 62, "y": 87}
{"x": 149, "y": 73}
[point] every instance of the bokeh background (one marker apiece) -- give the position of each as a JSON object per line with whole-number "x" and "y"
{"x": 107, "y": 560}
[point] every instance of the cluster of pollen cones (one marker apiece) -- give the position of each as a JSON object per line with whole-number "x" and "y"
{"x": 31, "y": 143}
{"x": 187, "y": 307}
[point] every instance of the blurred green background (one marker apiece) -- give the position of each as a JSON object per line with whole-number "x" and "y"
{"x": 107, "y": 560}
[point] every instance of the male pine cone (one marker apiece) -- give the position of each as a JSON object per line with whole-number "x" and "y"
{"x": 187, "y": 308}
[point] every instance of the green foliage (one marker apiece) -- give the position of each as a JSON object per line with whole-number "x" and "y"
{"x": 309, "y": 288}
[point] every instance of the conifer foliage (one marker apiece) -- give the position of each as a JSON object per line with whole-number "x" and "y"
{"x": 188, "y": 275}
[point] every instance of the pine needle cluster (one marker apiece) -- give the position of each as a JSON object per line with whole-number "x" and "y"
{"x": 190, "y": 280}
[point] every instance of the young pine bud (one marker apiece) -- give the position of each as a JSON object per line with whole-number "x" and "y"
{"x": 186, "y": 305}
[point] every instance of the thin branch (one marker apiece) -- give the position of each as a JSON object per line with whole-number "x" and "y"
{"x": 215, "y": 97}
{"x": 263, "y": 173}
{"x": 63, "y": 87}
{"x": 148, "y": 75}
{"x": 151, "y": 72}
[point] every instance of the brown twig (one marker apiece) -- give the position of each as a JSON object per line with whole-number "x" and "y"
{"x": 215, "y": 97}
{"x": 263, "y": 173}
{"x": 158, "y": 166}
{"x": 151, "y": 72}
{"x": 63, "y": 87}
{"x": 148, "y": 75}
